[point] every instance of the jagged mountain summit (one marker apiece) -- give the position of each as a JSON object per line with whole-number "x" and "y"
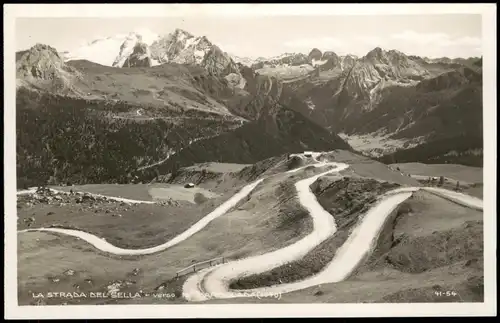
{"x": 42, "y": 68}
{"x": 150, "y": 119}
{"x": 245, "y": 61}
{"x": 110, "y": 51}
{"x": 134, "y": 50}
{"x": 146, "y": 49}
{"x": 380, "y": 102}
{"x": 140, "y": 57}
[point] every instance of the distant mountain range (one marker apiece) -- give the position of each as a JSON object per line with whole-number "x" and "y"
{"x": 385, "y": 104}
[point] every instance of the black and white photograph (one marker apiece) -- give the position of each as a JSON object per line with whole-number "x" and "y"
{"x": 335, "y": 160}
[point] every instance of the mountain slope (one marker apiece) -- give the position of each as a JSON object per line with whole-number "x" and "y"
{"x": 183, "y": 48}
{"x": 285, "y": 132}
{"x": 110, "y": 51}
{"x": 446, "y": 109}
{"x": 42, "y": 68}
{"x": 150, "y": 49}
{"x": 165, "y": 88}
{"x": 388, "y": 101}
{"x": 61, "y": 138}
{"x": 118, "y": 121}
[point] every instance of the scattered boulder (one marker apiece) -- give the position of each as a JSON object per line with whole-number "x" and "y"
{"x": 295, "y": 162}
{"x": 471, "y": 262}
{"x": 29, "y": 220}
{"x": 69, "y": 272}
{"x": 115, "y": 286}
{"x": 200, "y": 198}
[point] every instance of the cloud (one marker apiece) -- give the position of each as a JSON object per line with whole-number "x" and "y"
{"x": 433, "y": 44}
{"x": 436, "y": 44}
{"x": 420, "y": 38}
{"x": 322, "y": 43}
{"x": 228, "y": 48}
{"x": 370, "y": 40}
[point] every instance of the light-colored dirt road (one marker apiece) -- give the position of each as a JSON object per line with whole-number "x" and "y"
{"x": 104, "y": 246}
{"x": 214, "y": 282}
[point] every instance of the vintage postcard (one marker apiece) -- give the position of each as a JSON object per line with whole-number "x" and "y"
{"x": 249, "y": 160}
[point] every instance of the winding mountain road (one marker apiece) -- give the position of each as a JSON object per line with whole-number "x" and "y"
{"x": 105, "y": 246}
{"x": 214, "y": 282}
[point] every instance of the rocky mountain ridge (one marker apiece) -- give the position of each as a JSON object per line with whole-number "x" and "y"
{"x": 136, "y": 123}
{"x": 42, "y": 68}
{"x": 382, "y": 102}
{"x": 180, "y": 47}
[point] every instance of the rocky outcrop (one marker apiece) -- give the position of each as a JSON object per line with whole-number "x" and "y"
{"x": 182, "y": 47}
{"x": 393, "y": 64}
{"x": 140, "y": 57}
{"x": 347, "y": 62}
{"x": 40, "y": 62}
{"x": 315, "y": 54}
{"x": 287, "y": 59}
{"x": 380, "y": 68}
{"x": 42, "y": 67}
{"x": 449, "y": 80}
{"x": 235, "y": 80}
{"x": 329, "y": 61}
{"x": 219, "y": 63}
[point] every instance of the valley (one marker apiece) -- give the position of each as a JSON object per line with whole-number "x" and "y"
{"x": 314, "y": 177}
{"x": 268, "y": 216}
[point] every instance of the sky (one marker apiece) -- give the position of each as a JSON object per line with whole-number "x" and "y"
{"x": 438, "y": 35}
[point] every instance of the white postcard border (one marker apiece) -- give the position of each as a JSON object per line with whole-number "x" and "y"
{"x": 12, "y": 310}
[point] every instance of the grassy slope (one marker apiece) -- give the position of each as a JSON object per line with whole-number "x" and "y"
{"x": 437, "y": 152}
{"x": 259, "y": 230}
{"x": 429, "y": 245}
{"x": 446, "y": 108}
{"x": 251, "y": 228}
{"x": 286, "y": 132}
{"x": 346, "y": 200}
{"x": 143, "y": 192}
{"x": 166, "y": 86}
{"x": 66, "y": 137}
{"x": 458, "y": 172}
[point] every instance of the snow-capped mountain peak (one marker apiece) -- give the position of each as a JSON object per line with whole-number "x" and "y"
{"x": 181, "y": 34}
{"x": 182, "y": 47}
{"x": 145, "y": 48}
{"x": 112, "y": 50}
{"x": 127, "y": 48}
{"x": 247, "y": 61}
{"x": 146, "y": 36}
